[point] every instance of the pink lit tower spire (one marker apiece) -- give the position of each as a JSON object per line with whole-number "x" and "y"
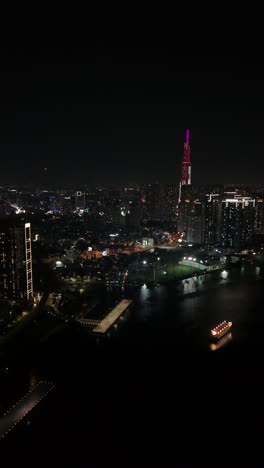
{"x": 186, "y": 166}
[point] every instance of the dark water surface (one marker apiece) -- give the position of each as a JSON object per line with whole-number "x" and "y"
{"x": 155, "y": 394}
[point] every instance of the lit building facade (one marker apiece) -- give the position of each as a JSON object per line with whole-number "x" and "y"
{"x": 170, "y": 201}
{"x": 2, "y": 207}
{"x": 79, "y": 201}
{"x": 67, "y": 203}
{"x": 154, "y": 201}
{"x": 212, "y": 219}
{"x": 259, "y": 223}
{"x": 136, "y": 214}
{"x": 184, "y": 209}
{"x": 16, "y": 281}
{"x": 238, "y": 221}
{"x": 195, "y": 222}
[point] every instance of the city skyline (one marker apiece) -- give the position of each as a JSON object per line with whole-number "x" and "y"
{"x": 131, "y": 237}
{"x": 93, "y": 107}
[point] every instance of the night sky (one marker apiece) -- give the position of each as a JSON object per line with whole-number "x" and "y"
{"x": 99, "y": 99}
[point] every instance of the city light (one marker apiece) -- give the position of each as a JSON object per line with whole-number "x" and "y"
{"x": 132, "y": 158}
{"x": 224, "y": 274}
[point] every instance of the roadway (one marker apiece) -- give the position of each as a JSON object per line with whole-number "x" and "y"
{"x": 23, "y": 406}
{"x": 18, "y": 329}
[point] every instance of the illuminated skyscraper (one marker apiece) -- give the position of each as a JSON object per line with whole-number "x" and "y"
{"x": 16, "y": 282}
{"x": 186, "y": 164}
{"x": 79, "y": 201}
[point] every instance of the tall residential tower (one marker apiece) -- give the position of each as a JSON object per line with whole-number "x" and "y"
{"x": 16, "y": 282}
{"x": 186, "y": 166}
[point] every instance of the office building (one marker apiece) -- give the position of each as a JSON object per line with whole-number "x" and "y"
{"x": 186, "y": 167}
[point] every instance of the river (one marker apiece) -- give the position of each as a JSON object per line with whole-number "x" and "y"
{"x": 155, "y": 394}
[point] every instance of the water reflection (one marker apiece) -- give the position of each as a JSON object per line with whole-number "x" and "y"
{"x": 224, "y": 274}
{"x": 33, "y": 379}
{"x": 220, "y": 343}
{"x": 190, "y": 286}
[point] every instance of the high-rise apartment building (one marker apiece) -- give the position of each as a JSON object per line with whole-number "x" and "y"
{"x": 2, "y": 207}
{"x": 16, "y": 281}
{"x": 67, "y": 204}
{"x": 259, "y": 222}
{"x": 135, "y": 214}
{"x": 184, "y": 208}
{"x": 195, "y": 218}
{"x": 154, "y": 201}
{"x": 237, "y": 221}
{"x": 212, "y": 219}
{"x": 170, "y": 201}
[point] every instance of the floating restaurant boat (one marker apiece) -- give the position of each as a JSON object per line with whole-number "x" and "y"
{"x": 221, "y": 329}
{"x": 221, "y": 342}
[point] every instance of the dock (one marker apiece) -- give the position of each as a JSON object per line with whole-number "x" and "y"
{"x": 112, "y": 317}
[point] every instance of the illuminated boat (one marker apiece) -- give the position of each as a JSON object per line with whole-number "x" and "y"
{"x": 221, "y": 329}
{"x": 221, "y": 342}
